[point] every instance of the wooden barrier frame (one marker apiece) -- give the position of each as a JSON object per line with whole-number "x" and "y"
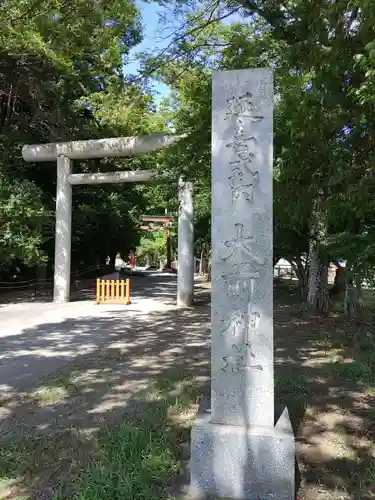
{"x": 112, "y": 291}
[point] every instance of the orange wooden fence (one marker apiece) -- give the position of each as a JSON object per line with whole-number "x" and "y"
{"x": 112, "y": 291}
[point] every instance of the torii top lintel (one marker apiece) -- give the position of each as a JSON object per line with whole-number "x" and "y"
{"x": 98, "y": 148}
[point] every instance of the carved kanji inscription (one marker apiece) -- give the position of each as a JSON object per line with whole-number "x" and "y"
{"x": 239, "y": 188}
{"x": 238, "y": 327}
{"x": 243, "y": 107}
{"x": 241, "y": 245}
{"x": 254, "y": 320}
{"x": 236, "y": 361}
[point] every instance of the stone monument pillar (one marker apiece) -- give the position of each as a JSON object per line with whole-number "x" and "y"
{"x": 63, "y": 240}
{"x": 237, "y": 451}
{"x": 186, "y": 258}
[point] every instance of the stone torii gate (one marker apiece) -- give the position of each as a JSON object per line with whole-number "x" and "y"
{"x": 64, "y": 153}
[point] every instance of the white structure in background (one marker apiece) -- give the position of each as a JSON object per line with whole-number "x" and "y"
{"x": 119, "y": 264}
{"x": 64, "y": 153}
{"x": 284, "y": 269}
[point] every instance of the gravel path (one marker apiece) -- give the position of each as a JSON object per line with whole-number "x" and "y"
{"x": 36, "y": 339}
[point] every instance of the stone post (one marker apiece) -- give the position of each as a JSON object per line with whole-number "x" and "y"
{"x": 237, "y": 451}
{"x": 63, "y": 240}
{"x": 185, "y": 275}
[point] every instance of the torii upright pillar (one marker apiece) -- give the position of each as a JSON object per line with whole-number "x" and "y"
{"x": 63, "y": 238}
{"x": 186, "y": 258}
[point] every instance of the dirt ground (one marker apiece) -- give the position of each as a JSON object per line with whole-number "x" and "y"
{"x": 324, "y": 370}
{"x": 323, "y": 373}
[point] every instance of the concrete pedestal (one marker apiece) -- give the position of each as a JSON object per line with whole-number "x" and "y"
{"x": 242, "y": 463}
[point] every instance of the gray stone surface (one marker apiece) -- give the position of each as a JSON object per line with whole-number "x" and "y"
{"x": 99, "y": 148}
{"x": 186, "y": 259}
{"x": 237, "y": 451}
{"x": 63, "y": 241}
{"x": 242, "y": 267}
{"x": 242, "y": 463}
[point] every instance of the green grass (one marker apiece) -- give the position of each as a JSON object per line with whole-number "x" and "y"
{"x": 291, "y": 390}
{"x": 357, "y": 342}
{"x": 55, "y": 390}
{"x": 353, "y": 373}
{"x": 26, "y": 461}
{"x": 136, "y": 462}
{"x": 369, "y": 476}
{"x": 14, "y": 464}
{"x": 12, "y": 458}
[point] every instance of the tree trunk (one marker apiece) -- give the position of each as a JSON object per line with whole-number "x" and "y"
{"x": 353, "y": 291}
{"x": 205, "y": 258}
{"x": 358, "y": 287}
{"x": 209, "y": 266}
{"x": 318, "y": 295}
{"x": 301, "y": 272}
{"x": 201, "y": 261}
{"x": 169, "y": 249}
{"x": 349, "y": 300}
{"x": 339, "y": 281}
{"x": 204, "y": 264}
{"x": 112, "y": 259}
{"x": 314, "y": 275}
{"x": 323, "y": 301}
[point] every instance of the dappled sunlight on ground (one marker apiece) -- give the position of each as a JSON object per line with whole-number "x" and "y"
{"x": 103, "y": 385}
{"x": 325, "y": 377}
{"x": 128, "y": 360}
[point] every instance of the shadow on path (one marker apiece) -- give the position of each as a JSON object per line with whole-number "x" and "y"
{"x": 100, "y": 386}
{"x": 323, "y": 380}
{"x": 27, "y": 353}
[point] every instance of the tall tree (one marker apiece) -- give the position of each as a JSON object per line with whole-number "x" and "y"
{"x": 61, "y": 79}
{"x": 328, "y": 119}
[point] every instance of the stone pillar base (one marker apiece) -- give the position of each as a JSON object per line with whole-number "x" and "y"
{"x": 241, "y": 463}
{"x": 185, "y": 300}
